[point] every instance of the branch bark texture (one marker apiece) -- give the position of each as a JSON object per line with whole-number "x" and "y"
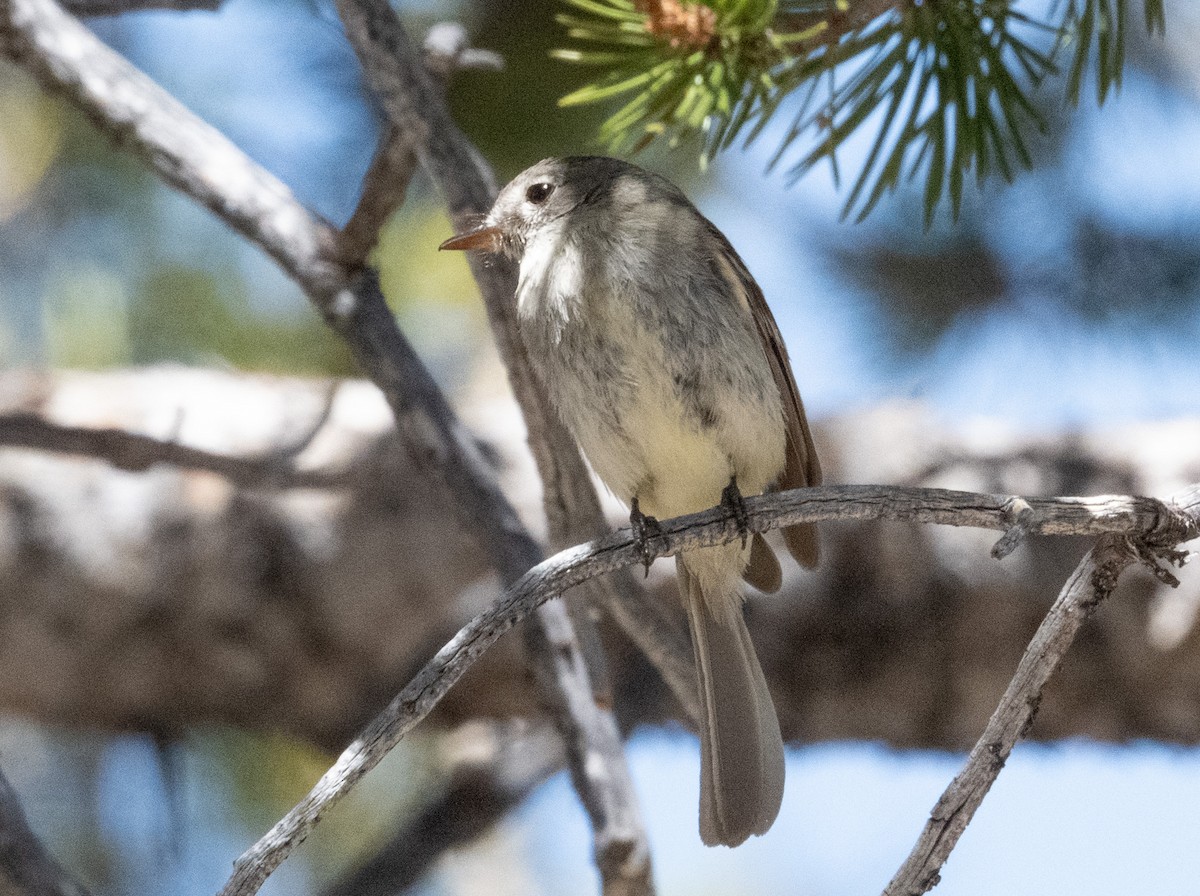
{"x": 137, "y": 453}
{"x": 116, "y": 7}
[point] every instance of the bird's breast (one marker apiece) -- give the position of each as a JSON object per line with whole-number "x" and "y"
{"x": 663, "y": 386}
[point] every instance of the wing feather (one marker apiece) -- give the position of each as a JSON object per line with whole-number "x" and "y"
{"x": 802, "y": 468}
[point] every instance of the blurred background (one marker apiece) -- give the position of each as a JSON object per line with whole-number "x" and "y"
{"x": 1065, "y": 303}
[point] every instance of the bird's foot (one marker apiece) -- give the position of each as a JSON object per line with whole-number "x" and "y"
{"x": 645, "y": 528}
{"x": 731, "y": 497}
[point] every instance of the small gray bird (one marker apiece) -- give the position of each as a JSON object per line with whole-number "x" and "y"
{"x": 661, "y": 356}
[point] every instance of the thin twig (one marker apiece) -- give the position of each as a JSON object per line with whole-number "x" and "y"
{"x": 1161, "y": 524}
{"x": 565, "y": 651}
{"x": 116, "y": 7}
{"x": 1023, "y": 517}
{"x": 26, "y": 869}
{"x": 135, "y": 453}
{"x": 1091, "y": 583}
{"x": 594, "y": 749}
{"x": 477, "y": 794}
{"x": 1088, "y": 587}
{"x": 383, "y": 190}
{"x": 386, "y": 182}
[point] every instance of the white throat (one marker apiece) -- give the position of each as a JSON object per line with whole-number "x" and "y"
{"x": 552, "y": 272}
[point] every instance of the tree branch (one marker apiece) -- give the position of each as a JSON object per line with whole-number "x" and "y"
{"x": 1088, "y": 587}
{"x": 446, "y": 50}
{"x": 1162, "y": 525}
{"x": 134, "y": 452}
{"x": 477, "y": 794}
{"x": 26, "y": 869}
{"x": 116, "y": 7}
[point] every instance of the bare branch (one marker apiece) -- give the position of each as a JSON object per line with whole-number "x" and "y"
{"x": 595, "y": 751}
{"x": 1023, "y": 517}
{"x": 446, "y": 51}
{"x": 384, "y": 187}
{"x": 477, "y": 794}
{"x": 1090, "y": 584}
{"x": 1158, "y": 524}
{"x": 135, "y": 453}
{"x": 26, "y": 869}
{"x": 116, "y": 7}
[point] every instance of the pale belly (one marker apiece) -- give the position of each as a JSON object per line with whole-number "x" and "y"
{"x": 649, "y": 442}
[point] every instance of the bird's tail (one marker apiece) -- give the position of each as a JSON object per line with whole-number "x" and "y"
{"x": 741, "y": 751}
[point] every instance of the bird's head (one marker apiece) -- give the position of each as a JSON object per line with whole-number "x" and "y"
{"x": 545, "y": 197}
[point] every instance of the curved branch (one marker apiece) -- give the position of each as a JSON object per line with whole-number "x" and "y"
{"x": 1090, "y": 584}
{"x": 445, "y": 51}
{"x": 1162, "y": 524}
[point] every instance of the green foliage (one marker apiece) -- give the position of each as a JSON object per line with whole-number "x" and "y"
{"x": 1102, "y": 22}
{"x": 943, "y": 86}
{"x": 681, "y": 91}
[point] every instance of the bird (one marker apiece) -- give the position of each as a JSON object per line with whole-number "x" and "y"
{"x": 660, "y": 355}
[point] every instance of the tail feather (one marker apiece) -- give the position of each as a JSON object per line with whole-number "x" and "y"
{"x": 741, "y": 751}
{"x": 803, "y": 544}
{"x": 763, "y": 570}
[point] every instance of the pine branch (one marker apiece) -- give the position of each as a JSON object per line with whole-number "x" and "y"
{"x": 943, "y": 86}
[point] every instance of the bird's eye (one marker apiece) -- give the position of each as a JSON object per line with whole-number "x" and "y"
{"x": 539, "y": 193}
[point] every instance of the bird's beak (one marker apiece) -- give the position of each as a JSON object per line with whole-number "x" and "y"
{"x": 485, "y": 237}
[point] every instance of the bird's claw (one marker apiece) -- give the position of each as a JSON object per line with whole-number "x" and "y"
{"x": 731, "y": 497}
{"x": 645, "y": 528}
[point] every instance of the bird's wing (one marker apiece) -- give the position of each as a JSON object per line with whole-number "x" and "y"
{"x": 803, "y": 468}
